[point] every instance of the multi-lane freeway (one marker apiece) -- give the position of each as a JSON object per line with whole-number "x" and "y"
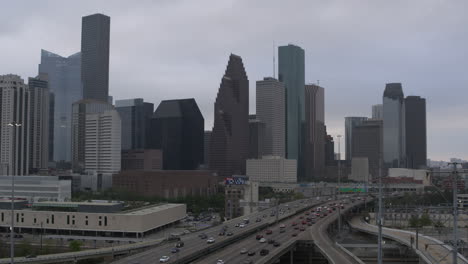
{"x": 293, "y": 212}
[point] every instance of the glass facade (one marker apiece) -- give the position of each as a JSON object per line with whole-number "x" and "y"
{"x": 135, "y": 116}
{"x": 416, "y": 136}
{"x": 64, "y": 77}
{"x": 350, "y": 123}
{"x": 394, "y": 126}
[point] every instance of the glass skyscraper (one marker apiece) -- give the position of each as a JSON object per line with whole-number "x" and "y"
{"x": 416, "y": 142}
{"x": 64, "y": 77}
{"x": 135, "y": 116}
{"x": 291, "y": 71}
{"x": 95, "y": 34}
{"x": 394, "y": 126}
{"x": 350, "y": 123}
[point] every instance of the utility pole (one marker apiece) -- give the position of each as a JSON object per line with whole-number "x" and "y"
{"x": 379, "y": 222}
{"x": 455, "y": 211}
{"x": 339, "y": 181}
{"x": 13, "y": 125}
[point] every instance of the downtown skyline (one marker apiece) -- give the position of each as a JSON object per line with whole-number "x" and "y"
{"x": 352, "y": 71}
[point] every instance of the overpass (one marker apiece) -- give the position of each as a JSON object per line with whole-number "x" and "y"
{"x": 428, "y": 249}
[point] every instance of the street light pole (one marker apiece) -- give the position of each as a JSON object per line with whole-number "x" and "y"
{"x": 379, "y": 222}
{"x": 455, "y": 211}
{"x": 339, "y": 181}
{"x": 13, "y": 125}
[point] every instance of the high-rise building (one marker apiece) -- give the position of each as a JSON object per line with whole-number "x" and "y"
{"x": 377, "y": 111}
{"x": 314, "y": 157}
{"x": 416, "y": 144}
{"x": 14, "y": 128}
{"x": 329, "y": 150}
{"x": 394, "y": 126}
{"x": 177, "y": 128}
{"x": 291, "y": 72}
{"x": 38, "y": 123}
{"x": 272, "y": 169}
{"x": 95, "y": 36}
{"x": 135, "y": 116}
{"x": 80, "y": 111}
{"x": 102, "y": 142}
{"x": 350, "y": 123}
{"x": 229, "y": 146}
{"x": 206, "y": 148}
{"x": 271, "y": 100}
{"x": 64, "y": 78}
{"x": 257, "y": 132}
{"x": 367, "y": 142}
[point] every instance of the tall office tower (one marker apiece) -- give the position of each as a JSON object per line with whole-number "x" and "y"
{"x": 95, "y": 34}
{"x": 206, "y": 148}
{"x": 377, "y": 112}
{"x": 38, "y": 123}
{"x": 350, "y": 123}
{"x": 177, "y": 128}
{"x": 135, "y": 116}
{"x": 329, "y": 151}
{"x": 291, "y": 71}
{"x": 14, "y": 128}
{"x": 314, "y": 156}
{"x": 394, "y": 126}
{"x": 416, "y": 144}
{"x": 102, "y": 151}
{"x": 257, "y": 131}
{"x": 230, "y": 135}
{"x": 80, "y": 111}
{"x": 64, "y": 77}
{"x": 271, "y": 100}
{"x": 367, "y": 142}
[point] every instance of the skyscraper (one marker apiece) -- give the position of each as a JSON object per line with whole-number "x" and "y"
{"x": 350, "y": 123}
{"x": 314, "y": 161}
{"x": 394, "y": 126}
{"x": 95, "y": 35}
{"x": 257, "y": 131}
{"x": 416, "y": 142}
{"x": 329, "y": 150}
{"x": 135, "y": 116}
{"x": 229, "y": 146}
{"x": 291, "y": 71}
{"x": 377, "y": 111}
{"x": 38, "y": 123}
{"x": 80, "y": 111}
{"x": 271, "y": 100}
{"x": 177, "y": 128}
{"x": 367, "y": 142}
{"x": 206, "y": 148}
{"x": 14, "y": 128}
{"x": 64, "y": 78}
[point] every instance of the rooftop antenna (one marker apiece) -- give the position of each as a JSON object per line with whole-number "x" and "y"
{"x": 318, "y": 82}
{"x": 274, "y": 66}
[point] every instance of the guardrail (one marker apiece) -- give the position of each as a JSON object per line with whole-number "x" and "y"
{"x": 358, "y": 260}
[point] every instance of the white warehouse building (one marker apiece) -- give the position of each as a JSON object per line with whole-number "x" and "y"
{"x": 37, "y": 188}
{"x": 272, "y": 169}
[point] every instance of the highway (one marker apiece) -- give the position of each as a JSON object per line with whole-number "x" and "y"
{"x": 194, "y": 244}
{"x": 232, "y": 253}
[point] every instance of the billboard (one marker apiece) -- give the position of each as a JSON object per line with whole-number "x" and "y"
{"x": 235, "y": 180}
{"x": 353, "y": 190}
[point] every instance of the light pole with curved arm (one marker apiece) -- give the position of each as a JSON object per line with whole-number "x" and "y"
{"x": 14, "y": 125}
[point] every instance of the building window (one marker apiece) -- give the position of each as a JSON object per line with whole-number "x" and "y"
{"x": 47, "y": 221}
{"x": 17, "y": 217}
{"x": 68, "y": 219}
{"x": 3, "y": 217}
{"x": 73, "y": 219}
{"x": 35, "y": 220}
{"x": 105, "y": 220}
{"x": 53, "y": 219}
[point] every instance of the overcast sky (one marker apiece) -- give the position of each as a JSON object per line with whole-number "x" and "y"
{"x": 168, "y": 49}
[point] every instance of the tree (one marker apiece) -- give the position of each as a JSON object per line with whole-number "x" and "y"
{"x": 414, "y": 221}
{"x": 425, "y": 220}
{"x": 25, "y": 247}
{"x": 75, "y": 245}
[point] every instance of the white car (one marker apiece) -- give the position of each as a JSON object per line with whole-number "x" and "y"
{"x": 164, "y": 259}
{"x": 242, "y": 225}
{"x": 210, "y": 240}
{"x": 262, "y": 240}
{"x": 243, "y": 251}
{"x": 220, "y": 261}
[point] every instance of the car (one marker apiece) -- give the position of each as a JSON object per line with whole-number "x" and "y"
{"x": 304, "y": 223}
{"x": 262, "y": 240}
{"x": 269, "y": 232}
{"x": 175, "y": 250}
{"x": 242, "y": 225}
{"x": 300, "y": 217}
{"x": 294, "y": 234}
{"x": 229, "y": 234}
{"x": 237, "y": 225}
{"x": 221, "y": 233}
{"x": 264, "y": 252}
{"x": 296, "y": 228}
{"x": 282, "y": 230}
{"x": 302, "y": 228}
{"x": 258, "y": 220}
{"x": 243, "y": 251}
{"x": 203, "y": 236}
{"x": 186, "y": 231}
{"x": 294, "y": 224}
{"x": 164, "y": 259}
{"x": 179, "y": 244}
{"x": 220, "y": 261}
{"x": 309, "y": 224}
{"x": 247, "y": 261}
{"x": 276, "y": 244}
{"x": 282, "y": 226}
{"x": 251, "y": 253}
{"x": 258, "y": 237}
{"x": 210, "y": 240}
{"x": 31, "y": 256}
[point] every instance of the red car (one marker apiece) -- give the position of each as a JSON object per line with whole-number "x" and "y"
{"x": 269, "y": 232}
{"x": 301, "y": 229}
{"x": 294, "y": 234}
{"x": 304, "y": 222}
{"x": 294, "y": 224}
{"x": 258, "y": 237}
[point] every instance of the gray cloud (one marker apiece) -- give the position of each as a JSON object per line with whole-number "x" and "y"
{"x": 173, "y": 49}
